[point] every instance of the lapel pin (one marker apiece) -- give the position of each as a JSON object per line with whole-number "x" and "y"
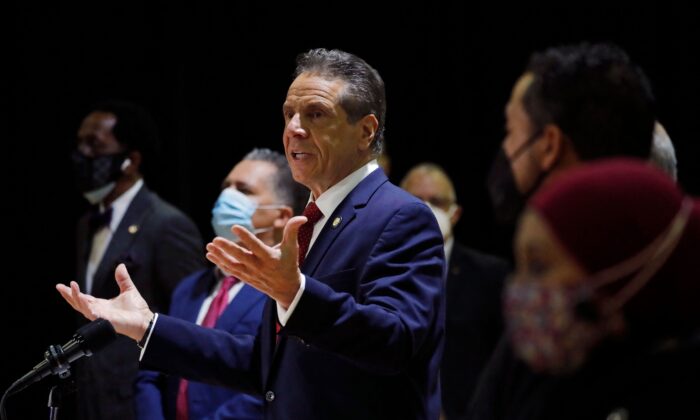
{"x": 337, "y": 221}
{"x": 133, "y": 229}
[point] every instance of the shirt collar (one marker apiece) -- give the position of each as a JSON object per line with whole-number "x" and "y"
{"x": 121, "y": 204}
{"x": 332, "y": 197}
{"x": 449, "y": 245}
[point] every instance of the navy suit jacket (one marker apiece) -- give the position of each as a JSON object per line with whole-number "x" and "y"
{"x": 365, "y": 340}
{"x": 156, "y": 394}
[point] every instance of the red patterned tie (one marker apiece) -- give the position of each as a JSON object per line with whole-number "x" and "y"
{"x": 216, "y": 308}
{"x": 313, "y": 214}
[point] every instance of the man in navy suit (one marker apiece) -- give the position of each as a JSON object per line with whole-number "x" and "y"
{"x": 353, "y": 327}
{"x": 267, "y": 189}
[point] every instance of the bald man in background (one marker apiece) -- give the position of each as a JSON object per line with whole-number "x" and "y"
{"x": 473, "y": 322}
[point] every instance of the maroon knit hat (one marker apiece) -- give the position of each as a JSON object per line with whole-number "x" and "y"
{"x": 608, "y": 211}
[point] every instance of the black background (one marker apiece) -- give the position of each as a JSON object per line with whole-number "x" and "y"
{"x": 215, "y": 75}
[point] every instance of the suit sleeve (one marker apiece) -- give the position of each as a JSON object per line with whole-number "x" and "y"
{"x": 201, "y": 354}
{"x": 148, "y": 399}
{"x": 150, "y": 386}
{"x": 178, "y": 253}
{"x": 397, "y": 305}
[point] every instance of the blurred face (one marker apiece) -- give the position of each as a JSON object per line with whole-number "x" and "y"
{"x": 540, "y": 257}
{"x": 554, "y": 318}
{"x": 95, "y": 136}
{"x": 435, "y": 189}
{"x": 432, "y": 188}
{"x": 429, "y": 187}
{"x": 519, "y": 144}
{"x": 322, "y": 147}
{"x": 253, "y": 178}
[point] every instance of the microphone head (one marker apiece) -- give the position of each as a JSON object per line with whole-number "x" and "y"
{"x": 95, "y": 335}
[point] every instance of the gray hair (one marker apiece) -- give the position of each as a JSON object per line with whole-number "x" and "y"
{"x": 288, "y": 191}
{"x": 365, "y": 92}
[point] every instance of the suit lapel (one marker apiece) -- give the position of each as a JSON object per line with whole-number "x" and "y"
{"x": 127, "y": 231}
{"x": 189, "y": 310}
{"x": 268, "y": 338}
{"x": 346, "y": 211}
{"x": 244, "y": 300}
{"x": 341, "y": 217}
{"x": 84, "y": 244}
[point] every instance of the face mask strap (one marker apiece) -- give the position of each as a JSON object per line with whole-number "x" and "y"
{"x": 543, "y": 173}
{"x": 647, "y": 262}
{"x": 257, "y": 231}
{"x": 529, "y": 142}
{"x": 271, "y": 207}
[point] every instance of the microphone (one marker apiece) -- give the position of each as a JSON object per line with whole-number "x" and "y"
{"x": 88, "y": 339}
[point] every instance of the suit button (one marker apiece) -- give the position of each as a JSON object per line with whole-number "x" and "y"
{"x": 269, "y": 396}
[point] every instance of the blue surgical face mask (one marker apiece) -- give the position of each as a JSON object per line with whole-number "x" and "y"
{"x": 235, "y": 208}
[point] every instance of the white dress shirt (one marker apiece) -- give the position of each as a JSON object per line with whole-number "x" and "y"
{"x": 327, "y": 203}
{"x": 202, "y": 310}
{"x": 103, "y": 236}
{"x": 233, "y": 291}
{"x": 449, "y": 245}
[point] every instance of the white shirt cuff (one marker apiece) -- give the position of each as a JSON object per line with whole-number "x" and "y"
{"x": 284, "y": 314}
{"x": 153, "y": 327}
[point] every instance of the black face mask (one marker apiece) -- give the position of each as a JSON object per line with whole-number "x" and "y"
{"x": 93, "y": 173}
{"x": 506, "y": 199}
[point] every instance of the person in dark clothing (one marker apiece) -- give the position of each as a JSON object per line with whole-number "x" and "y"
{"x": 473, "y": 320}
{"x": 128, "y": 224}
{"x": 602, "y": 309}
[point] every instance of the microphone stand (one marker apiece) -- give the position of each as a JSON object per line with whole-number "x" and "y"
{"x": 57, "y": 360}
{"x": 55, "y": 398}
{"x": 59, "y": 393}
{"x": 64, "y": 387}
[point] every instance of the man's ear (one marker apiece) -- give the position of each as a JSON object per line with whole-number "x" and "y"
{"x": 456, "y": 215}
{"x": 134, "y": 165}
{"x": 368, "y": 125}
{"x": 551, "y": 146}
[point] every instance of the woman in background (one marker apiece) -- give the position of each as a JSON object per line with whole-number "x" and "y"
{"x": 605, "y": 301}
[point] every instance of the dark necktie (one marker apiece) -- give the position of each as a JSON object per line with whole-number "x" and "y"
{"x": 97, "y": 220}
{"x": 313, "y": 214}
{"x": 216, "y": 308}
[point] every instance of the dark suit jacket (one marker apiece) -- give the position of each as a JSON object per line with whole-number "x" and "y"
{"x": 365, "y": 340}
{"x": 473, "y": 324}
{"x": 631, "y": 378}
{"x": 156, "y": 394}
{"x": 160, "y": 246}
